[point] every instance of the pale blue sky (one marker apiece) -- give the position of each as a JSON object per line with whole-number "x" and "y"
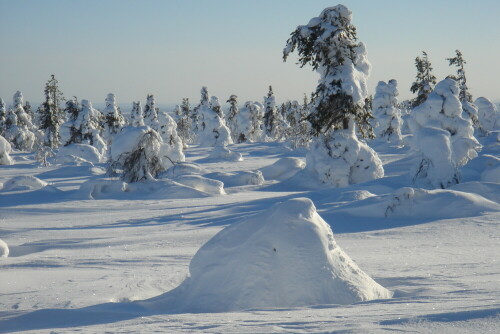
{"x": 173, "y": 47}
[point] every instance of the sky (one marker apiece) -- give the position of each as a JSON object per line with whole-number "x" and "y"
{"x": 171, "y": 48}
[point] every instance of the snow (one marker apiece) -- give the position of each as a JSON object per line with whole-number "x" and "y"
{"x": 82, "y": 265}
{"x": 78, "y": 153}
{"x": 4, "y": 249}
{"x": 201, "y": 183}
{"x": 237, "y": 179}
{"x": 5, "y": 150}
{"x": 488, "y": 114}
{"x": 283, "y": 169}
{"x": 24, "y": 182}
{"x": 222, "y": 153}
{"x": 283, "y": 257}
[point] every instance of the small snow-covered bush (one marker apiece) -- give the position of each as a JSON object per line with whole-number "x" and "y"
{"x": 283, "y": 169}
{"x": 340, "y": 158}
{"x": 4, "y": 249}
{"x": 24, "y": 182}
{"x": 488, "y": 115}
{"x": 136, "y": 154}
{"x": 5, "y": 150}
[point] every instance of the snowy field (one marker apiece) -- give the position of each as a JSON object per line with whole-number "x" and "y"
{"x": 77, "y": 264}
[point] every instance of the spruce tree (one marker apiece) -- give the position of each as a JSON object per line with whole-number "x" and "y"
{"x": 425, "y": 80}
{"x": 114, "y": 120}
{"x": 51, "y": 116}
{"x": 270, "y": 114}
{"x": 232, "y": 116}
{"x": 3, "y": 117}
{"x": 137, "y": 115}
{"x": 184, "y": 121}
{"x": 329, "y": 44}
{"x": 151, "y": 113}
{"x": 73, "y": 133}
{"x": 459, "y": 62}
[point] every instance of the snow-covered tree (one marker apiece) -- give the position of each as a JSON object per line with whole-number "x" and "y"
{"x": 3, "y": 116}
{"x": 137, "y": 116}
{"x": 168, "y": 133}
{"x": 297, "y": 130}
{"x": 136, "y": 154}
{"x": 212, "y": 130}
{"x": 89, "y": 125}
{"x": 270, "y": 114}
{"x": 250, "y": 122}
{"x": 151, "y": 113}
{"x": 443, "y": 139}
{"x": 19, "y": 130}
{"x": 114, "y": 120}
{"x": 386, "y": 113}
{"x": 184, "y": 122}
{"x": 232, "y": 117}
{"x": 488, "y": 115}
{"x": 5, "y": 149}
{"x": 425, "y": 80}
{"x": 70, "y": 132}
{"x": 329, "y": 44}
{"x": 50, "y": 114}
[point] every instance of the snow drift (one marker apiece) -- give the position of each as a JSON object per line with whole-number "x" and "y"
{"x": 4, "y": 249}
{"x": 284, "y": 257}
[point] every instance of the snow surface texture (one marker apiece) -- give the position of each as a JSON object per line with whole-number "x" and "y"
{"x": 4, "y": 249}
{"x": 339, "y": 158}
{"x": 5, "y": 149}
{"x": 284, "y": 257}
{"x": 488, "y": 114}
{"x": 387, "y": 116}
{"x": 444, "y": 140}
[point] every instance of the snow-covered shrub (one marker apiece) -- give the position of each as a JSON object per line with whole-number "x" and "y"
{"x": 101, "y": 188}
{"x": 284, "y": 257}
{"x": 444, "y": 140}
{"x": 222, "y": 153}
{"x": 250, "y": 122}
{"x": 24, "y": 182}
{"x": 236, "y": 179}
{"x": 283, "y": 169}
{"x": 386, "y": 113}
{"x": 200, "y": 183}
{"x": 184, "y": 123}
{"x": 488, "y": 115}
{"x": 4, "y": 249}
{"x": 5, "y": 149}
{"x": 329, "y": 44}
{"x": 78, "y": 153}
{"x": 340, "y": 159}
{"x": 212, "y": 129}
{"x": 137, "y": 154}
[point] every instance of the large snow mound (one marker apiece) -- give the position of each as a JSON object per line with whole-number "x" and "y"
{"x": 283, "y": 169}
{"x": 4, "y": 249}
{"x": 201, "y": 183}
{"x": 236, "y": 179}
{"x": 184, "y": 168}
{"x": 24, "y": 182}
{"x": 222, "y": 153}
{"x": 284, "y": 257}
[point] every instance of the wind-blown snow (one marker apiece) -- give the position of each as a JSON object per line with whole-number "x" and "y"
{"x": 284, "y": 257}
{"x": 4, "y": 249}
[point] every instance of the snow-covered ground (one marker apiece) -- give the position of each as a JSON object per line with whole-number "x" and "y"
{"x": 77, "y": 264}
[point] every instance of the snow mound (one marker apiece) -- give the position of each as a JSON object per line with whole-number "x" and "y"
{"x": 198, "y": 182}
{"x": 485, "y": 168}
{"x": 284, "y": 257}
{"x": 164, "y": 189}
{"x": 5, "y": 149}
{"x": 236, "y": 179}
{"x": 96, "y": 189}
{"x": 24, "y": 182}
{"x": 410, "y": 203}
{"x": 222, "y": 153}
{"x": 488, "y": 190}
{"x": 283, "y": 169}
{"x": 184, "y": 168}
{"x": 78, "y": 154}
{"x": 4, "y": 249}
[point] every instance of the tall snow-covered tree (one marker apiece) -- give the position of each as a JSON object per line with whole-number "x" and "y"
{"x": 70, "y": 132}
{"x": 184, "y": 122}
{"x": 151, "y": 113}
{"x": 89, "y": 125}
{"x": 19, "y": 130}
{"x": 250, "y": 122}
{"x": 270, "y": 114}
{"x": 50, "y": 114}
{"x": 212, "y": 129}
{"x": 137, "y": 115}
{"x": 444, "y": 139}
{"x": 386, "y": 112}
{"x": 425, "y": 80}
{"x": 232, "y": 117}
{"x": 168, "y": 133}
{"x": 114, "y": 120}
{"x": 329, "y": 44}
{"x": 3, "y": 117}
